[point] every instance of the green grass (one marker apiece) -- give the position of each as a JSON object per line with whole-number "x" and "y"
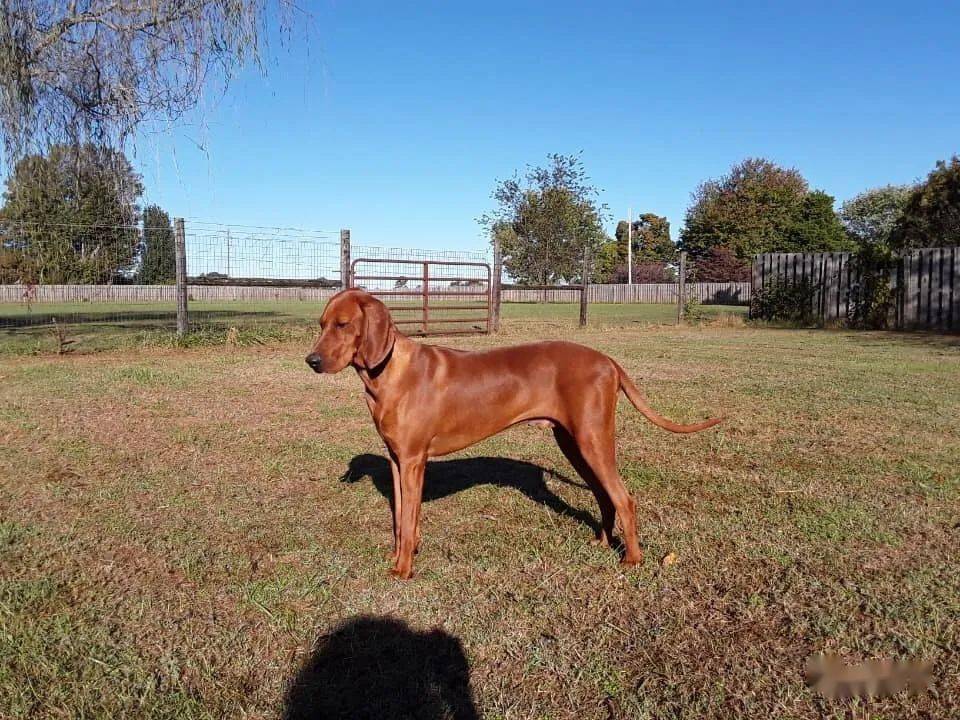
{"x": 110, "y": 326}
{"x": 200, "y": 533}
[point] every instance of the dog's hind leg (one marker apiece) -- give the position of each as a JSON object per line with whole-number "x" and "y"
{"x": 607, "y": 513}
{"x": 598, "y": 449}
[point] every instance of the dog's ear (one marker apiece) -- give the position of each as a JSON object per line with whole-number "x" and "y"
{"x": 378, "y": 334}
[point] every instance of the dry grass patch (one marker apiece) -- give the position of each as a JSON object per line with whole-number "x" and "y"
{"x": 200, "y": 533}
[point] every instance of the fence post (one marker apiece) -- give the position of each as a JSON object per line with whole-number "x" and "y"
{"x": 681, "y": 286}
{"x": 345, "y": 259}
{"x": 180, "y": 245}
{"x": 426, "y": 297}
{"x": 585, "y": 277}
{"x": 495, "y": 289}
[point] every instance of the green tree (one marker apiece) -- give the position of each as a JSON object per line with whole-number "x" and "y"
{"x": 651, "y": 239}
{"x": 816, "y": 226}
{"x": 157, "y": 255}
{"x": 71, "y": 216}
{"x": 931, "y": 215}
{"x": 760, "y": 207}
{"x": 721, "y": 264}
{"x": 606, "y": 262}
{"x": 545, "y": 220}
{"x": 870, "y": 217}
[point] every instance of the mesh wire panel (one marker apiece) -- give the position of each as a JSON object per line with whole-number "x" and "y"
{"x": 242, "y": 275}
{"x": 251, "y": 253}
{"x": 59, "y": 273}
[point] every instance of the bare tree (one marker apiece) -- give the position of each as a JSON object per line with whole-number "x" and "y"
{"x": 93, "y": 70}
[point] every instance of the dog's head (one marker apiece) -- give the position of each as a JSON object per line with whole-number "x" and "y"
{"x": 355, "y": 328}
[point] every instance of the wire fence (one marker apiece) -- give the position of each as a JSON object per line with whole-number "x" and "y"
{"x": 106, "y": 278}
{"x": 225, "y": 251}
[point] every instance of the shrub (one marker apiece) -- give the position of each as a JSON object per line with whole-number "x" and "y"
{"x": 872, "y": 299}
{"x": 789, "y": 302}
{"x": 693, "y": 310}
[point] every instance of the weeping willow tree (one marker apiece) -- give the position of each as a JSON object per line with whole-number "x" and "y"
{"x": 93, "y": 71}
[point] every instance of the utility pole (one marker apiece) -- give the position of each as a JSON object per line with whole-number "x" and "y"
{"x": 630, "y": 246}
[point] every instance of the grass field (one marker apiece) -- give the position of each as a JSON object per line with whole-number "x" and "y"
{"x": 200, "y": 533}
{"x": 99, "y": 326}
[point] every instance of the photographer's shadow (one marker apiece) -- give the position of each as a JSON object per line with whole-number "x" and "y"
{"x": 377, "y": 667}
{"x": 446, "y": 477}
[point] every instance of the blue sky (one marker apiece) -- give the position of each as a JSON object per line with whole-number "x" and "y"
{"x": 395, "y": 119}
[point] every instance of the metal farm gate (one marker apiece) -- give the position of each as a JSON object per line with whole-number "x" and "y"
{"x": 430, "y": 297}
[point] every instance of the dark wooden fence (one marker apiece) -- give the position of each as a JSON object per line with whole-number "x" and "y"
{"x": 925, "y": 285}
{"x": 731, "y": 293}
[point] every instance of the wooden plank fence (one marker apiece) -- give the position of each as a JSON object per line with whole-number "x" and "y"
{"x": 156, "y": 293}
{"x": 666, "y": 293}
{"x": 925, "y": 285}
{"x": 663, "y": 293}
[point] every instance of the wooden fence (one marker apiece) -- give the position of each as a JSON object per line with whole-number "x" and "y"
{"x": 666, "y": 293}
{"x": 925, "y": 285}
{"x": 156, "y": 293}
{"x": 663, "y": 293}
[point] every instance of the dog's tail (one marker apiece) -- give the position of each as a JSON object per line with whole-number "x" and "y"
{"x": 640, "y": 403}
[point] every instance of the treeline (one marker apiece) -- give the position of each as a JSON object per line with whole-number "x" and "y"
{"x": 546, "y": 218}
{"x": 73, "y": 215}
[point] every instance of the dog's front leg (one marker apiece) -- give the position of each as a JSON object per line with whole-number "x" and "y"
{"x": 411, "y": 490}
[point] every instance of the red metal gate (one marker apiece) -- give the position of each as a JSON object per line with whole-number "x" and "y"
{"x": 429, "y": 297}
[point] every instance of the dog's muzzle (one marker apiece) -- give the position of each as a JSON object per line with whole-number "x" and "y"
{"x": 315, "y": 362}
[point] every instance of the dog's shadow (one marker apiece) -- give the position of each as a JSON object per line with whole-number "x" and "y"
{"x": 378, "y": 668}
{"x": 447, "y": 477}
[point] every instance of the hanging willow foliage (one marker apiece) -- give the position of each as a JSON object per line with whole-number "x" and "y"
{"x": 76, "y": 71}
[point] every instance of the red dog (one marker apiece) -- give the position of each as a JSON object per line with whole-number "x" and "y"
{"x": 428, "y": 401}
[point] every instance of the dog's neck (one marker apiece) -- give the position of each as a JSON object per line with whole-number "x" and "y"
{"x": 396, "y": 362}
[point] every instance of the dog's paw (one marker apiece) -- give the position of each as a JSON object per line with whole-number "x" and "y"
{"x": 401, "y": 573}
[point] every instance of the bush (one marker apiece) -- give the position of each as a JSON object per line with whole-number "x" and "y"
{"x": 788, "y": 302}
{"x": 693, "y": 310}
{"x": 871, "y": 300}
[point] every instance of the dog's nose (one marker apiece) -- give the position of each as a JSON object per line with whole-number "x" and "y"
{"x": 315, "y": 362}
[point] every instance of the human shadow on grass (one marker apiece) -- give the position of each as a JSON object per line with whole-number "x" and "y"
{"x": 378, "y": 667}
{"x": 447, "y": 477}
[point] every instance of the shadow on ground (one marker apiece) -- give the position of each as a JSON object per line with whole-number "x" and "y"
{"x": 447, "y": 477}
{"x": 378, "y": 667}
